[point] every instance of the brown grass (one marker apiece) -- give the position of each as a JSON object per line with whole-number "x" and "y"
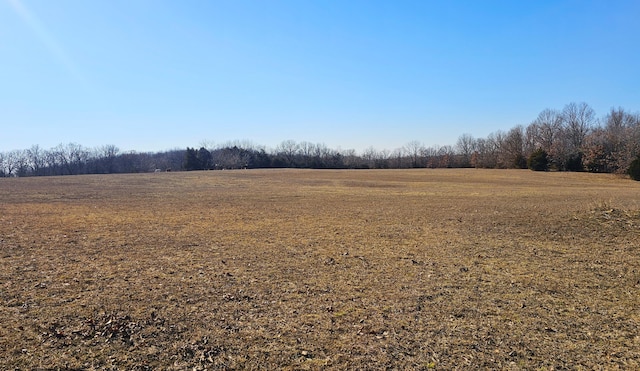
{"x": 292, "y": 269}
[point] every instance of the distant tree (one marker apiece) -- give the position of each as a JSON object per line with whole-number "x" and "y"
{"x": 136, "y": 162}
{"x": 71, "y": 158}
{"x": 231, "y": 158}
{"x": 382, "y": 159}
{"x": 399, "y": 159}
{"x": 634, "y": 169}
{"x": 288, "y": 149}
{"x": 622, "y": 135}
{"x": 105, "y": 159}
{"x": 466, "y": 146}
{"x": 351, "y": 160}
{"x": 37, "y": 160}
{"x": 487, "y": 150}
{"x": 574, "y": 162}
{"x": 511, "y": 149}
{"x": 168, "y": 160}
{"x": 2, "y": 169}
{"x": 538, "y": 160}
{"x": 259, "y": 159}
{"x": 12, "y": 162}
{"x": 577, "y": 119}
{"x": 204, "y": 159}
{"x": 369, "y": 156}
{"x": 445, "y": 156}
{"x": 21, "y": 163}
{"x": 191, "y": 161}
{"x": 336, "y": 161}
{"x": 414, "y": 150}
{"x": 598, "y": 152}
{"x": 544, "y": 131}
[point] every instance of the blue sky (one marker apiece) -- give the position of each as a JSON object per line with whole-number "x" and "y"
{"x": 151, "y": 75}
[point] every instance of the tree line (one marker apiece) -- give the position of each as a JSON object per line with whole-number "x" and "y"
{"x": 571, "y": 139}
{"x": 74, "y": 159}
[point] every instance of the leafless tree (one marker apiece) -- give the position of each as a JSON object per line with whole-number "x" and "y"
{"x": 414, "y": 150}
{"x": 13, "y": 161}
{"x": 369, "y": 156}
{"x": 306, "y": 150}
{"x": 350, "y": 159}
{"x": 512, "y": 148}
{"x": 288, "y": 149}
{"x": 445, "y": 155}
{"x": 545, "y": 130}
{"x": 71, "y": 157}
{"x": 489, "y": 149}
{"x": 577, "y": 120}
{"x": 2, "y": 164}
{"x": 466, "y": 146}
{"x": 397, "y": 158}
{"x": 612, "y": 147}
{"x": 37, "y": 159}
{"x": 106, "y": 157}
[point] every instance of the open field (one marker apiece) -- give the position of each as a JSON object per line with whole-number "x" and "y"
{"x": 294, "y": 269}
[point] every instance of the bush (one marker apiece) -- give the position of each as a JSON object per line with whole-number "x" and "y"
{"x": 634, "y": 169}
{"x": 539, "y": 160}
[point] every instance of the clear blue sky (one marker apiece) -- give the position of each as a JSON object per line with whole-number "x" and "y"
{"x": 151, "y": 75}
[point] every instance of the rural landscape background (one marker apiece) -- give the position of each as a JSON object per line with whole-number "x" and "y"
{"x": 310, "y": 185}
{"x": 320, "y": 269}
{"x": 571, "y": 139}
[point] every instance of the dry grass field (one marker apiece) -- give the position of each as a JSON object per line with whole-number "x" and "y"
{"x": 305, "y": 270}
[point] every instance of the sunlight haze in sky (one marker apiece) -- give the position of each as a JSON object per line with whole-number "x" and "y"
{"x": 150, "y": 75}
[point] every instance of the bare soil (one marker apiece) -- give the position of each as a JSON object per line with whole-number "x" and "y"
{"x": 306, "y": 270}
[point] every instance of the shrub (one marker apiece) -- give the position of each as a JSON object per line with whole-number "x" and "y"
{"x": 539, "y": 160}
{"x": 634, "y": 169}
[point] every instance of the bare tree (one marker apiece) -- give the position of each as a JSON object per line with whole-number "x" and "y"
{"x": 13, "y": 161}
{"x": 445, "y": 156}
{"x": 549, "y": 125}
{"x": 414, "y": 150}
{"x": 306, "y": 151}
{"x": 397, "y": 158}
{"x": 382, "y": 159}
{"x": 430, "y": 155}
{"x": 105, "y": 158}
{"x": 288, "y": 149}
{"x": 37, "y": 159}
{"x": 21, "y": 163}
{"x": 613, "y": 147}
{"x": 230, "y": 158}
{"x": 489, "y": 149}
{"x": 577, "y": 119}
{"x": 2, "y": 164}
{"x": 208, "y": 144}
{"x": 350, "y": 159}
{"x": 71, "y": 157}
{"x": 466, "y": 146}
{"x": 598, "y": 152}
{"x": 369, "y": 156}
{"x": 512, "y": 148}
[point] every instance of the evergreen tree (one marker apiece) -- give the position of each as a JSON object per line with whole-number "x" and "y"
{"x": 634, "y": 169}
{"x": 204, "y": 159}
{"x": 191, "y": 161}
{"x": 539, "y": 160}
